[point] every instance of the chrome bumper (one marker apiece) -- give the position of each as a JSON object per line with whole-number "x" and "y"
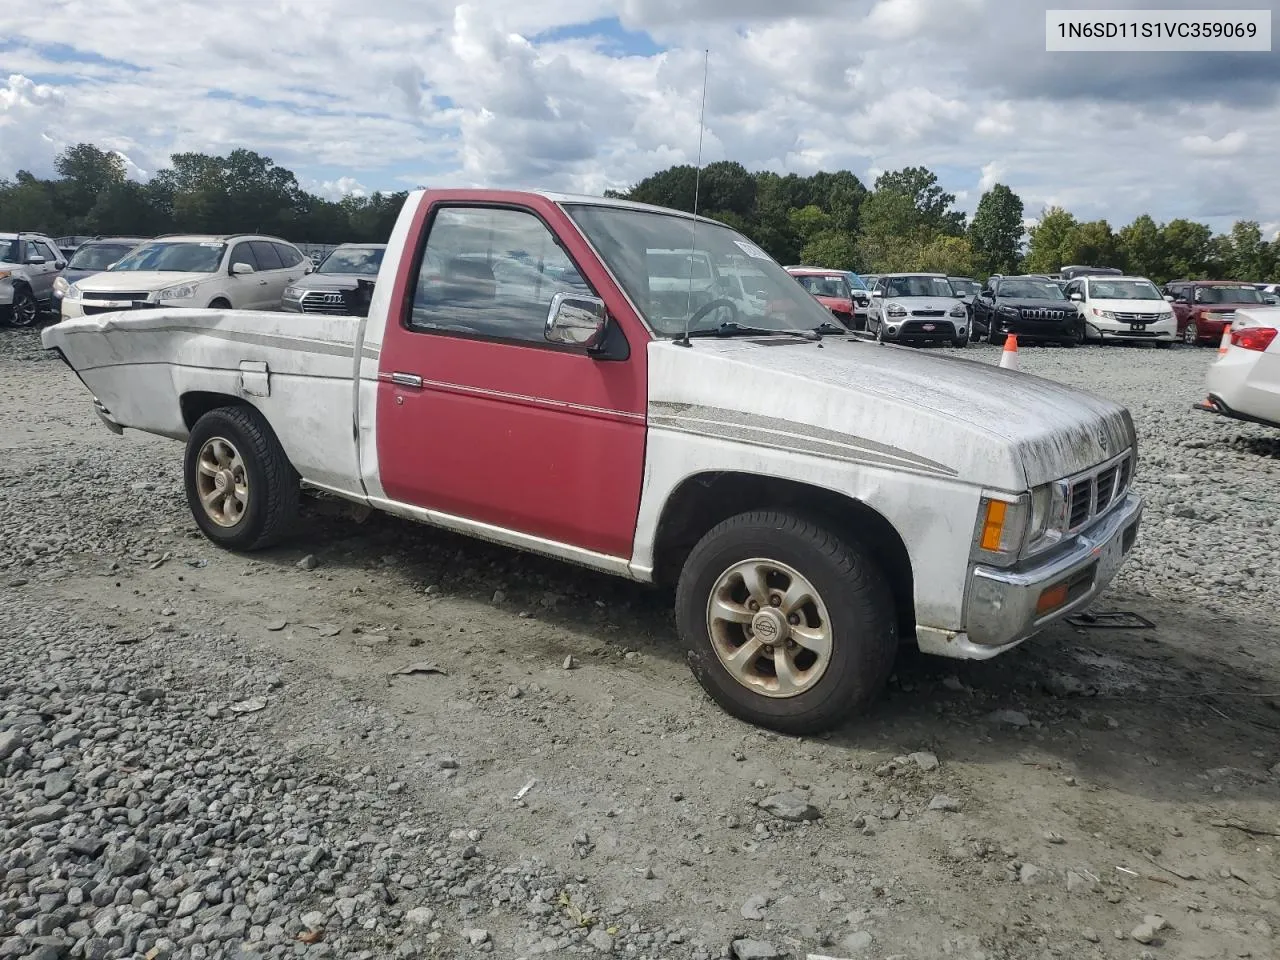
{"x": 1001, "y": 609}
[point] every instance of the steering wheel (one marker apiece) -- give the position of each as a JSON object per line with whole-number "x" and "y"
{"x": 706, "y": 308}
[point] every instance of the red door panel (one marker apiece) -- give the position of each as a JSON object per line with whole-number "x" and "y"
{"x": 522, "y": 435}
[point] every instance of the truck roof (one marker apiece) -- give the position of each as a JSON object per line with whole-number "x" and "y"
{"x": 562, "y": 198}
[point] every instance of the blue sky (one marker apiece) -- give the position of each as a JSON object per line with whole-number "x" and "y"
{"x": 591, "y": 95}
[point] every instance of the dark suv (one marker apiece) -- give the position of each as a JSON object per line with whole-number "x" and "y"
{"x": 1031, "y": 307}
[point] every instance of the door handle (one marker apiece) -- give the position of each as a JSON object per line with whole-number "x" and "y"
{"x": 407, "y": 380}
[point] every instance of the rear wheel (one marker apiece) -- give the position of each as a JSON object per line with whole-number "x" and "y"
{"x": 241, "y": 488}
{"x": 786, "y": 625}
{"x": 25, "y": 311}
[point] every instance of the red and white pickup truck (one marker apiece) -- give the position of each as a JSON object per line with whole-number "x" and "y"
{"x": 815, "y": 500}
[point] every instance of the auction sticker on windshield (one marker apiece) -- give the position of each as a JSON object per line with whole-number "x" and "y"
{"x": 751, "y": 250}
{"x": 1155, "y": 31}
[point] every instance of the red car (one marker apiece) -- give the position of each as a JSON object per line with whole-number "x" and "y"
{"x": 832, "y": 290}
{"x": 1205, "y": 308}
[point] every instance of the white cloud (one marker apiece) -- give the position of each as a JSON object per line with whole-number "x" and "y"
{"x": 398, "y": 93}
{"x": 1228, "y": 145}
{"x": 336, "y": 189}
{"x": 992, "y": 173}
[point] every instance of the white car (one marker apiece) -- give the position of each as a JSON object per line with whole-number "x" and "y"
{"x": 1244, "y": 382}
{"x": 228, "y": 272}
{"x": 1123, "y": 308}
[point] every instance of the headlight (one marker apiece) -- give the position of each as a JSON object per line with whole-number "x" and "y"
{"x": 60, "y": 286}
{"x": 183, "y": 291}
{"x": 293, "y": 293}
{"x": 73, "y": 292}
{"x": 5, "y": 274}
{"x": 959, "y": 311}
{"x": 1104, "y": 314}
{"x": 1009, "y": 311}
{"x": 896, "y": 310}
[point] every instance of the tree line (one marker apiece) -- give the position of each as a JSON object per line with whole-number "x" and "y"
{"x": 904, "y": 221}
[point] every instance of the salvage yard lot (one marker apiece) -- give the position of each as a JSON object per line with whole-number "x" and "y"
{"x": 1083, "y": 782}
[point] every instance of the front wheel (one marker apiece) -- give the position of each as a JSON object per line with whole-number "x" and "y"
{"x": 786, "y": 625}
{"x": 994, "y": 337}
{"x": 1191, "y": 334}
{"x": 241, "y": 488}
{"x": 25, "y": 311}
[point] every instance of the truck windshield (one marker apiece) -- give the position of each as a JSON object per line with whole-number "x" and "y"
{"x": 182, "y": 256}
{"x": 634, "y": 245}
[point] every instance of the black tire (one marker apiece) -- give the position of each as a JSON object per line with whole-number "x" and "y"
{"x": 272, "y": 483}
{"x": 960, "y": 342}
{"x": 25, "y": 311}
{"x": 1191, "y": 334}
{"x": 858, "y": 601}
{"x": 221, "y": 303}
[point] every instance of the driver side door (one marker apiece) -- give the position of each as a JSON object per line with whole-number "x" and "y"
{"x": 481, "y": 420}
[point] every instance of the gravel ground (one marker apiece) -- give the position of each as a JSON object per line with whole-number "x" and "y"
{"x": 207, "y": 755}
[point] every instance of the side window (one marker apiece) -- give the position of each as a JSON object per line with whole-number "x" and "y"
{"x": 490, "y": 273}
{"x": 268, "y": 259}
{"x": 243, "y": 253}
{"x": 31, "y": 251}
{"x": 47, "y": 251}
{"x": 287, "y": 254}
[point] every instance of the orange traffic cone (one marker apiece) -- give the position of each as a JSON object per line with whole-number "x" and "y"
{"x": 1009, "y": 357}
{"x": 1226, "y": 339}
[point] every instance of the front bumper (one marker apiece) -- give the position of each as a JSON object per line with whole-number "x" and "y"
{"x": 6, "y": 293}
{"x": 917, "y": 328}
{"x": 1001, "y": 608}
{"x": 1064, "y": 329}
{"x": 1120, "y": 330}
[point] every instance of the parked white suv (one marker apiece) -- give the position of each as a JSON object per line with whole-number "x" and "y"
{"x": 241, "y": 272}
{"x": 1123, "y": 308}
{"x": 29, "y": 263}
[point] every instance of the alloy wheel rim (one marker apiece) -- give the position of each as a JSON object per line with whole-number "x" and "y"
{"x": 222, "y": 482}
{"x": 770, "y": 628}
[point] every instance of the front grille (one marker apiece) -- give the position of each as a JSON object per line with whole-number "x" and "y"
{"x": 1042, "y": 313}
{"x": 1091, "y": 494}
{"x": 916, "y": 328}
{"x": 928, "y": 313}
{"x": 323, "y": 301}
{"x": 1141, "y": 317}
{"x": 89, "y": 309}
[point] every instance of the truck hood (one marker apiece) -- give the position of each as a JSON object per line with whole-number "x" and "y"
{"x": 112, "y": 281}
{"x": 887, "y": 406}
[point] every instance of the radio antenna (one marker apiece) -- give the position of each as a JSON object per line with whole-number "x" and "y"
{"x": 697, "y": 184}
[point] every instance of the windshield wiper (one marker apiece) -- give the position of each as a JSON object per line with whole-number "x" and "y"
{"x": 830, "y": 326}
{"x": 736, "y": 329}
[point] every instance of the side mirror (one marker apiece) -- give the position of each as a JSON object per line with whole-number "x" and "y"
{"x": 1078, "y": 297}
{"x": 1169, "y": 297}
{"x": 239, "y": 269}
{"x": 877, "y": 293}
{"x": 577, "y": 320}
{"x": 36, "y": 261}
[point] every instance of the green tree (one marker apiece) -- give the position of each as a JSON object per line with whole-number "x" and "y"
{"x": 1050, "y": 245}
{"x": 831, "y": 248}
{"x": 28, "y": 203}
{"x": 890, "y": 231}
{"x": 1143, "y": 251}
{"x": 1187, "y": 249}
{"x": 87, "y": 173}
{"x": 1250, "y": 257}
{"x": 996, "y": 231}
{"x": 1093, "y": 244}
{"x": 930, "y": 200}
{"x": 953, "y": 256}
